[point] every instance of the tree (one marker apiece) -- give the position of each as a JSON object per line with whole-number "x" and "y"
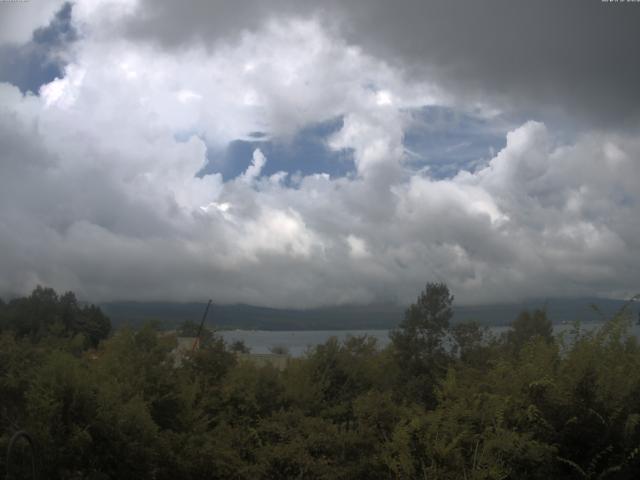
{"x": 470, "y": 342}
{"x": 418, "y": 342}
{"x": 279, "y": 350}
{"x": 44, "y": 313}
{"x": 528, "y": 326}
{"x": 94, "y": 324}
{"x": 189, "y": 328}
{"x": 238, "y": 346}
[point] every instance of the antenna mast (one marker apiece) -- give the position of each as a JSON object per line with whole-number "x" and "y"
{"x": 196, "y": 342}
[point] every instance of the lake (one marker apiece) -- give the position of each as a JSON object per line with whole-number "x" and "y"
{"x": 299, "y": 341}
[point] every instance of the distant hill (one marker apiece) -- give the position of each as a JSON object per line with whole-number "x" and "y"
{"x": 242, "y": 316}
{"x": 371, "y": 317}
{"x": 586, "y": 310}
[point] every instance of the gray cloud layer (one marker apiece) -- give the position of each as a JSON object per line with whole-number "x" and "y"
{"x": 575, "y": 57}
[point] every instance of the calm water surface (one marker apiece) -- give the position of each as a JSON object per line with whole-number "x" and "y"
{"x": 298, "y": 342}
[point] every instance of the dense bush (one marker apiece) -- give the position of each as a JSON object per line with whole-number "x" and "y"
{"x": 441, "y": 402}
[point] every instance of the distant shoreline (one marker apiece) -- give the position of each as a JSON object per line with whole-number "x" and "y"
{"x": 168, "y": 315}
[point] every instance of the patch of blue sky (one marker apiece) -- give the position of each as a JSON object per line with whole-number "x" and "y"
{"x": 443, "y": 141}
{"x": 35, "y": 63}
{"x": 305, "y": 153}
{"x": 440, "y": 140}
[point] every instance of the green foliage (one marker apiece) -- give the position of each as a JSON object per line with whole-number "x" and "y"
{"x": 190, "y": 328}
{"x": 279, "y": 350}
{"x": 470, "y": 342}
{"x": 418, "y": 345}
{"x": 239, "y": 346}
{"x": 528, "y": 326}
{"x": 44, "y": 313}
{"x": 441, "y": 402}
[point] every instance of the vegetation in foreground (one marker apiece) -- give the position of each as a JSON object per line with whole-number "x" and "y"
{"x": 440, "y": 402}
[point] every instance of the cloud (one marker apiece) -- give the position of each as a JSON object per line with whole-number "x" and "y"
{"x": 99, "y": 190}
{"x": 254, "y": 170}
{"x": 572, "y": 58}
{"x": 447, "y": 140}
{"x": 30, "y": 64}
{"x": 304, "y": 153}
{"x": 19, "y": 19}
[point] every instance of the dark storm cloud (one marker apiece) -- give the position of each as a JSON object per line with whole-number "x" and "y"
{"x": 577, "y": 54}
{"x": 175, "y": 24}
{"x": 576, "y": 57}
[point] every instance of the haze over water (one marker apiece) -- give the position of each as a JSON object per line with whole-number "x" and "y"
{"x": 298, "y": 342}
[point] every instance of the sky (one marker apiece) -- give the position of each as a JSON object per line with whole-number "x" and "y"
{"x": 301, "y": 154}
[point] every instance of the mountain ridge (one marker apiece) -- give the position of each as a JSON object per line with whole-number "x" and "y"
{"x": 349, "y": 317}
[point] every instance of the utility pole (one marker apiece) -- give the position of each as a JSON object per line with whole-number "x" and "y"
{"x": 196, "y": 342}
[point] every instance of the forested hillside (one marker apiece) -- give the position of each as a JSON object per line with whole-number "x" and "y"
{"x": 526, "y": 405}
{"x": 170, "y": 315}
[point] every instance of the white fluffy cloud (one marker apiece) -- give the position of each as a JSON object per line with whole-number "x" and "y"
{"x": 99, "y": 193}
